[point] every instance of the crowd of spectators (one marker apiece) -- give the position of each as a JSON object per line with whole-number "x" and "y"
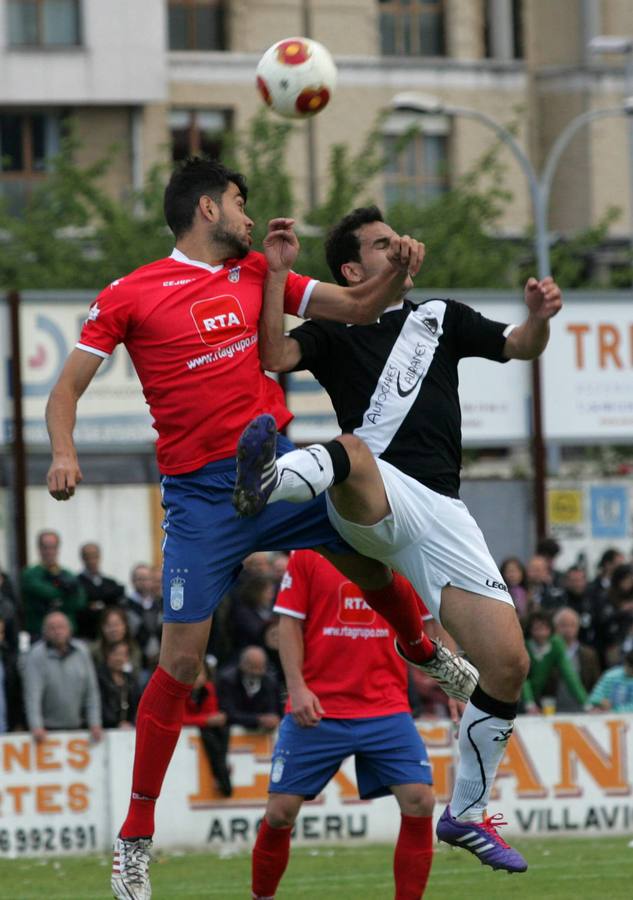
{"x": 78, "y": 649}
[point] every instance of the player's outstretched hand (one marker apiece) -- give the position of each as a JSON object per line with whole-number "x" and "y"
{"x": 281, "y": 245}
{"x": 406, "y": 253}
{"x": 306, "y": 709}
{"x": 543, "y": 298}
{"x": 63, "y": 477}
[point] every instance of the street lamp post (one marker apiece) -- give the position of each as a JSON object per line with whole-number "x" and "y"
{"x": 540, "y": 189}
{"x": 620, "y": 46}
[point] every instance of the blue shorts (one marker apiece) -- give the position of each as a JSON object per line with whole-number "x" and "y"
{"x": 387, "y": 750}
{"x": 205, "y": 541}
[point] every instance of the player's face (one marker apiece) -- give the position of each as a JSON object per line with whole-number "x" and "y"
{"x": 374, "y": 241}
{"x": 234, "y": 227}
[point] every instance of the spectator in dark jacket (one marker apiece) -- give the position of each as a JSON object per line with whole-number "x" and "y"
{"x": 9, "y": 611}
{"x": 202, "y": 710}
{"x": 145, "y": 614}
{"x": 615, "y": 632}
{"x": 12, "y": 716}
{"x": 251, "y": 611}
{"x": 248, "y": 694}
{"x": 119, "y": 688}
{"x": 599, "y": 587}
{"x": 113, "y": 628}
{"x": 100, "y": 591}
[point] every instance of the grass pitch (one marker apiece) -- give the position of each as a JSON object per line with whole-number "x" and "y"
{"x": 560, "y": 869}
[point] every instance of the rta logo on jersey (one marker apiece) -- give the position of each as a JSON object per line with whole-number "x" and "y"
{"x": 219, "y": 320}
{"x": 352, "y": 607}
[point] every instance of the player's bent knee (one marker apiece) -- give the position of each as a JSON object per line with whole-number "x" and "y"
{"x": 282, "y": 811}
{"x": 182, "y": 665}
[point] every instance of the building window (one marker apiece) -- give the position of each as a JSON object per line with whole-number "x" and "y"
{"x": 196, "y": 25}
{"x": 198, "y": 132}
{"x": 503, "y": 30}
{"x": 27, "y": 141}
{"x": 412, "y": 27}
{"x": 44, "y": 23}
{"x": 418, "y": 171}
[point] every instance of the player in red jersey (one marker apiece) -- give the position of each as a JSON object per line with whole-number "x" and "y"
{"x": 190, "y": 325}
{"x": 334, "y": 711}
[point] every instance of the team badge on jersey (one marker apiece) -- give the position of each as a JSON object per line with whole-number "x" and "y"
{"x": 277, "y": 770}
{"x": 93, "y": 313}
{"x": 352, "y": 606}
{"x": 234, "y": 274}
{"x": 177, "y": 593}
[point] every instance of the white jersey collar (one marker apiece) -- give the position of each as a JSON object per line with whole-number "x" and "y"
{"x": 180, "y": 257}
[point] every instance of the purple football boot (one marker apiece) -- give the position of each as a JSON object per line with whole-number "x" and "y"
{"x": 481, "y": 838}
{"x": 256, "y": 466}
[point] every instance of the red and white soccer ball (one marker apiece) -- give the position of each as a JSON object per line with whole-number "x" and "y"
{"x": 296, "y": 77}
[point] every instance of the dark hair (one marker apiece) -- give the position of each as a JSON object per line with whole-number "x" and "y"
{"x": 539, "y": 615}
{"x": 608, "y": 557}
{"x": 194, "y": 178}
{"x": 517, "y": 562}
{"x": 110, "y": 648}
{"x": 627, "y": 659}
{"x": 619, "y": 574}
{"x": 342, "y": 244}
{"x": 548, "y": 547}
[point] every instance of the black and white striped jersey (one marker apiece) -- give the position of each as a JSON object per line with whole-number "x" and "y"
{"x": 394, "y": 383}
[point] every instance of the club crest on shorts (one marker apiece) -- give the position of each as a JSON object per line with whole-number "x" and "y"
{"x": 234, "y": 274}
{"x": 177, "y": 593}
{"x": 277, "y": 770}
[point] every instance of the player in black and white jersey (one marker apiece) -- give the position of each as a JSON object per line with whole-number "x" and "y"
{"x": 395, "y": 497}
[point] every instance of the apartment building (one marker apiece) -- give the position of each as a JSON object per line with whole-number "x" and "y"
{"x": 163, "y": 78}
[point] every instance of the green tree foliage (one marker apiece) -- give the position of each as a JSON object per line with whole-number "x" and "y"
{"x": 73, "y": 234}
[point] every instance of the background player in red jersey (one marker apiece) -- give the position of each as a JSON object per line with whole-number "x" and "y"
{"x": 190, "y": 323}
{"x": 347, "y": 696}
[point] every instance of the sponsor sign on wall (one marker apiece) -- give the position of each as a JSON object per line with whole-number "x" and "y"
{"x": 588, "y": 371}
{"x": 113, "y": 409}
{"x": 560, "y": 775}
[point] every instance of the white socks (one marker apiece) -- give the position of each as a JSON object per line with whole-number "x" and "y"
{"x": 302, "y": 474}
{"x": 482, "y": 743}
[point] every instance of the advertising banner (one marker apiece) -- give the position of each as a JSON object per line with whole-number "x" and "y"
{"x": 588, "y": 371}
{"x": 560, "y": 775}
{"x": 112, "y": 411}
{"x": 52, "y": 795}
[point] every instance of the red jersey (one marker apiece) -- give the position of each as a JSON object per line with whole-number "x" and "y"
{"x": 198, "y": 713}
{"x": 349, "y": 659}
{"x": 191, "y": 331}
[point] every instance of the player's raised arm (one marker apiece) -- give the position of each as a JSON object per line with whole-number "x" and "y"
{"x": 278, "y": 353}
{"x": 363, "y": 303}
{"x": 64, "y": 473}
{"x": 528, "y": 340}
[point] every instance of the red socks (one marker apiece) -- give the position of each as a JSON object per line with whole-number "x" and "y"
{"x": 158, "y": 724}
{"x": 399, "y": 605}
{"x": 270, "y": 858}
{"x": 413, "y": 857}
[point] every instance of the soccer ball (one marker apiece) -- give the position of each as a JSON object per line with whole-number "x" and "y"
{"x": 296, "y": 77}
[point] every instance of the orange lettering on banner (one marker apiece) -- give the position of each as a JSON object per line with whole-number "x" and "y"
{"x": 18, "y": 793}
{"x": 45, "y": 800}
{"x": 518, "y": 764}
{"x": 78, "y": 797}
{"x": 45, "y": 755}
{"x": 608, "y": 770}
{"x": 18, "y": 752}
{"x": 435, "y": 735}
{"x": 78, "y": 753}
{"x": 257, "y": 792}
{"x": 347, "y": 788}
{"x": 608, "y": 346}
{"x": 579, "y": 331}
{"x": 443, "y": 775}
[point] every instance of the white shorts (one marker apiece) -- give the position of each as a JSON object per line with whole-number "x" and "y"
{"x": 430, "y": 539}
